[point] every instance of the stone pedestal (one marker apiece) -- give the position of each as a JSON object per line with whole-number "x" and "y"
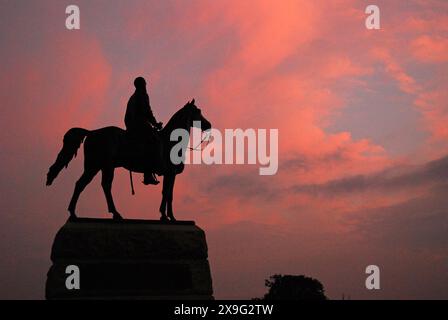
{"x": 130, "y": 259}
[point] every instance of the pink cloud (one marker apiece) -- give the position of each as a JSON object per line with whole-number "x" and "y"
{"x": 64, "y": 91}
{"x": 431, "y": 49}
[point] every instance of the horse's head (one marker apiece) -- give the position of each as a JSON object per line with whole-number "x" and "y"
{"x": 196, "y": 117}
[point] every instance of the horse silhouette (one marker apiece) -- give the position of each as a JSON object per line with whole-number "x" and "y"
{"x": 108, "y": 148}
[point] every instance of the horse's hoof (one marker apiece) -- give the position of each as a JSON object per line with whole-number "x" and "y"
{"x": 164, "y": 218}
{"x": 172, "y": 219}
{"x": 116, "y": 216}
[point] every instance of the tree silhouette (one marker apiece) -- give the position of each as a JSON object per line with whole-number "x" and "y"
{"x": 290, "y": 287}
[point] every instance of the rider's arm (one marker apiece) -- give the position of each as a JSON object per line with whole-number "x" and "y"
{"x": 148, "y": 112}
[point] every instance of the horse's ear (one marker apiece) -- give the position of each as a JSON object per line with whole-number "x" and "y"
{"x": 192, "y": 101}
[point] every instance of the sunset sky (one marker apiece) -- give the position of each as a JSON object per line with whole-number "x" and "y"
{"x": 363, "y": 134}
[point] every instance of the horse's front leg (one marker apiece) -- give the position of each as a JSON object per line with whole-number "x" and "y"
{"x": 163, "y": 202}
{"x": 169, "y": 199}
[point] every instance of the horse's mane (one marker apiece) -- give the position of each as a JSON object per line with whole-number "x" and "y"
{"x": 174, "y": 120}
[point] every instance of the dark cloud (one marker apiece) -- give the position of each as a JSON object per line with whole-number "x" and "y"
{"x": 396, "y": 178}
{"x": 419, "y": 223}
{"x": 243, "y": 185}
{"x": 305, "y": 162}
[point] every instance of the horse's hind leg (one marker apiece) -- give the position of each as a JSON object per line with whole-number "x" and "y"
{"x": 85, "y": 179}
{"x": 106, "y": 183}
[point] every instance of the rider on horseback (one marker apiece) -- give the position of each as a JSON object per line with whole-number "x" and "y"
{"x": 141, "y": 125}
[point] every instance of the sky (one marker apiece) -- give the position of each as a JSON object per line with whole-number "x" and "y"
{"x": 362, "y": 118}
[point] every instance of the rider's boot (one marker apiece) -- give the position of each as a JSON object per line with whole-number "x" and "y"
{"x": 149, "y": 176}
{"x": 160, "y": 164}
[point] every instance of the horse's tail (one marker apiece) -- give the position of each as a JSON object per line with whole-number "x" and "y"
{"x": 72, "y": 141}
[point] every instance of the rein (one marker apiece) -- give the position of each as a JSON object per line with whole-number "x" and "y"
{"x": 200, "y": 143}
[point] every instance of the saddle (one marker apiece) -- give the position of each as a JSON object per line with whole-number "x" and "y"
{"x": 144, "y": 152}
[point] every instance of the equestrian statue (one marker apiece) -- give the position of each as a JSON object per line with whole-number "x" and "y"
{"x": 143, "y": 147}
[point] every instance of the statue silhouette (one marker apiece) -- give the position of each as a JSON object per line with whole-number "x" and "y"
{"x": 111, "y": 147}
